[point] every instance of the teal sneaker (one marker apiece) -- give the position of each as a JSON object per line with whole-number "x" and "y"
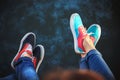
{"x": 95, "y": 32}
{"x": 78, "y": 32}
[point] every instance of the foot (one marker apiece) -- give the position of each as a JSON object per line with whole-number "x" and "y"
{"x": 78, "y": 31}
{"x": 27, "y": 45}
{"x": 95, "y": 32}
{"x": 88, "y": 45}
{"x": 38, "y": 55}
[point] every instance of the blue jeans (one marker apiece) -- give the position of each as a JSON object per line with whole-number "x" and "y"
{"x": 24, "y": 70}
{"x": 94, "y": 61}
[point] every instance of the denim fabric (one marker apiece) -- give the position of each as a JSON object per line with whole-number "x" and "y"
{"x": 24, "y": 70}
{"x": 94, "y": 61}
{"x": 9, "y": 77}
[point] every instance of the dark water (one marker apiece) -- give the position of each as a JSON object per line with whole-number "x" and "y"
{"x": 49, "y": 20}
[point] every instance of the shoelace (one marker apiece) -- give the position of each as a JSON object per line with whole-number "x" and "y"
{"x": 90, "y": 33}
{"x": 85, "y": 32}
{"x": 24, "y": 51}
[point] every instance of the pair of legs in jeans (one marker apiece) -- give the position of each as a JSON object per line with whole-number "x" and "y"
{"x": 84, "y": 45}
{"x": 29, "y": 56}
{"x": 24, "y": 71}
{"x": 27, "y": 60}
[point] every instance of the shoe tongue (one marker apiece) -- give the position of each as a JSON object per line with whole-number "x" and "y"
{"x": 82, "y": 31}
{"x": 29, "y": 47}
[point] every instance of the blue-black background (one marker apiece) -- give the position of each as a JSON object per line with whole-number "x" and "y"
{"x": 49, "y": 20}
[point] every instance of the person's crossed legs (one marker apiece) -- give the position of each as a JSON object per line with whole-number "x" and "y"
{"x": 84, "y": 45}
{"x": 27, "y": 60}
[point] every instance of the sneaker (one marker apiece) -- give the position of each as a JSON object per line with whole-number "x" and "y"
{"x": 95, "y": 32}
{"x": 78, "y": 32}
{"x": 27, "y": 44}
{"x": 38, "y": 55}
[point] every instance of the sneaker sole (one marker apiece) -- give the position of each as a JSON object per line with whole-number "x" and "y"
{"x": 41, "y": 57}
{"x": 21, "y": 43}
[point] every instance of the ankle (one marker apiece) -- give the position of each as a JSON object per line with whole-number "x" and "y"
{"x": 83, "y": 55}
{"x": 89, "y": 48}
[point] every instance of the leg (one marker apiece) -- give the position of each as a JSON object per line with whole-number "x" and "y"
{"x": 84, "y": 45}
{"x": 79, "y": 33}
{"x": 94, "y": 61}
{"x": 27, "y": 61}
{"x": 25, "y": 69}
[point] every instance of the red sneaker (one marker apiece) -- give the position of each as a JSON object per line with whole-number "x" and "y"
{"x": 27, "y": 44}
